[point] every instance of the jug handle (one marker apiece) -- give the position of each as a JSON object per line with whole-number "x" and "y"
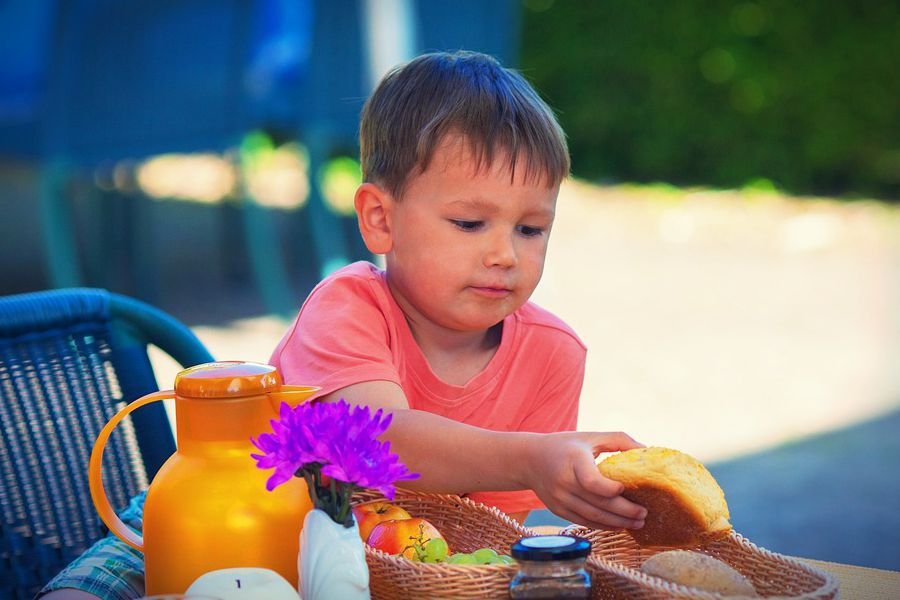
{"x": 294, "y": 395}
{"x": 98, "y": 494}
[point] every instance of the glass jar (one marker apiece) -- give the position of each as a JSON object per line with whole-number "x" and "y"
{"x": 551, "y": 566}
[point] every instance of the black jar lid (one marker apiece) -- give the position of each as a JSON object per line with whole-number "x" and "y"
{"x": 551, "y": 547}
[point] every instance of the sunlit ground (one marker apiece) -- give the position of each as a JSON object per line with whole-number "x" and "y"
{"x": 719, "y": 323}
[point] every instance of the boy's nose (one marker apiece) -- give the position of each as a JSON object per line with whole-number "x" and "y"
{"x": 501, "y": 252}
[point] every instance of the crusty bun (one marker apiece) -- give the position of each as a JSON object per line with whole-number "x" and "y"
{"x": 685, "y": 505}
{"x": 698, "y": 570}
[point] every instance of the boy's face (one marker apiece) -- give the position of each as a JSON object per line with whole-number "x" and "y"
{"x": 467, "y": 247}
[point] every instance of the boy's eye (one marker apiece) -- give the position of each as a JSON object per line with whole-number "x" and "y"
{"x": 467, "y": 225}
{"x": 529, "y": 231}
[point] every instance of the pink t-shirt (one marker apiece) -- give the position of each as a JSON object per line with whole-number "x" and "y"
{"x": 351, "y": 330}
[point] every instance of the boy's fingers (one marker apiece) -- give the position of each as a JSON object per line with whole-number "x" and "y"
{"x": 600, "y": 520}
{"x": 606, "y": 516}
{"x": 619, "y": 506}
{"x": 615, "y": 441}
{"x": 588, "y": 476}
{"x": 608, "y": 520}
{"x": 625, "y": 508}
{"x": 607, "y": 493}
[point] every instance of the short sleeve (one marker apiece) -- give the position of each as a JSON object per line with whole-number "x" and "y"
{"x": 342, "y": 336}
{"x": 110, "y": 568}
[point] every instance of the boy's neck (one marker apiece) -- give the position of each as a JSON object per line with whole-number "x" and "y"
{"x": 455, "y": 356}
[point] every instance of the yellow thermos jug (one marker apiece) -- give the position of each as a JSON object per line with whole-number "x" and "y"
{"x": 208, "y": 508}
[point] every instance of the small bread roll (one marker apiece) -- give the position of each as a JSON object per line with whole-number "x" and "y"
{"x": 698, "y": 570}
{"x": 685, "y": 506}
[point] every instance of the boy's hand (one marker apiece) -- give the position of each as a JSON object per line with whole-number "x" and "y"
{"x": 563, "y": 474}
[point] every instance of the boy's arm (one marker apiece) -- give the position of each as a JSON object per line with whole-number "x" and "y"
{"x": 452, "y": 457}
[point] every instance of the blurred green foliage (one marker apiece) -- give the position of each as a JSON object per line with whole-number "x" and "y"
{"x": 802, "y": 94}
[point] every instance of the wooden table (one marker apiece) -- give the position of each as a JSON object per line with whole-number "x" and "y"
{"x": 856, "y": 583}
{"x": 861, "y": 583}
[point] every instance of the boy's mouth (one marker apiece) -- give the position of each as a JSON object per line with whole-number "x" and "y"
{"x": 491, "y": 292}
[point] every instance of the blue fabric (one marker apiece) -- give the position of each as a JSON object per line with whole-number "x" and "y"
{"x": 110, "y": 569}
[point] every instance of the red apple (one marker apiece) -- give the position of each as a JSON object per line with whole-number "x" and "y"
{"x": 370, "y": 514}
{"x": 406, "y": 537}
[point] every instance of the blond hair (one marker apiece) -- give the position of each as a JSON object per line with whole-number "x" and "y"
{"x": 419, "y": 103}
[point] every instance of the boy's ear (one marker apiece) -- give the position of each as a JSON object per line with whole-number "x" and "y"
{"x": 373, "y": 210}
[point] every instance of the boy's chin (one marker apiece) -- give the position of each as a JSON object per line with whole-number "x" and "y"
{"x": 481, "y": 324}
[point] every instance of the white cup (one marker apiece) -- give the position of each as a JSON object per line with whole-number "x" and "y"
{"x": 243, "y": 583}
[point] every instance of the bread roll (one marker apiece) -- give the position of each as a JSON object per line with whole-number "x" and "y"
{"x": 685, "y": 506}
{"x": 698, "y": 570}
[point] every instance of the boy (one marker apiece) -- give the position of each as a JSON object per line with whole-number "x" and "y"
{"x": 462, "y": 164}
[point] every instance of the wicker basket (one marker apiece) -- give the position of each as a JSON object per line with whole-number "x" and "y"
{"x": 616, "y": 559}
{"x": 467, "y": 526}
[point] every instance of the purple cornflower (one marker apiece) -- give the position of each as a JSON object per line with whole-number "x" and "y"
{"x": 334, "y": 440}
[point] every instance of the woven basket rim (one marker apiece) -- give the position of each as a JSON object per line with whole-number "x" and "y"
{"x": 400, "y": 562}
{"x": 463, "y": 522}
{"x": 367, "y": 496}
{"x": 828, "y": 589}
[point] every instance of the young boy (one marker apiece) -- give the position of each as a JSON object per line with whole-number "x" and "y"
{"x": 462, "y": 163}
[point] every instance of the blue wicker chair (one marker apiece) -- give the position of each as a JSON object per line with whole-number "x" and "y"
{"x": 68, "y": 360}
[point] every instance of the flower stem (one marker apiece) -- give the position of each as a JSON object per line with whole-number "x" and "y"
{"x": 344, "y": 516}
{"x": 334, "y": 499}
{"x": 310, "y": 477}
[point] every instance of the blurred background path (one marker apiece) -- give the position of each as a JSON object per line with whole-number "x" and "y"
{"x": 758, "y": 333}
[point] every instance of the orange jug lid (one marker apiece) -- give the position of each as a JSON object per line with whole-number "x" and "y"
{"x": 227, "y": 379}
